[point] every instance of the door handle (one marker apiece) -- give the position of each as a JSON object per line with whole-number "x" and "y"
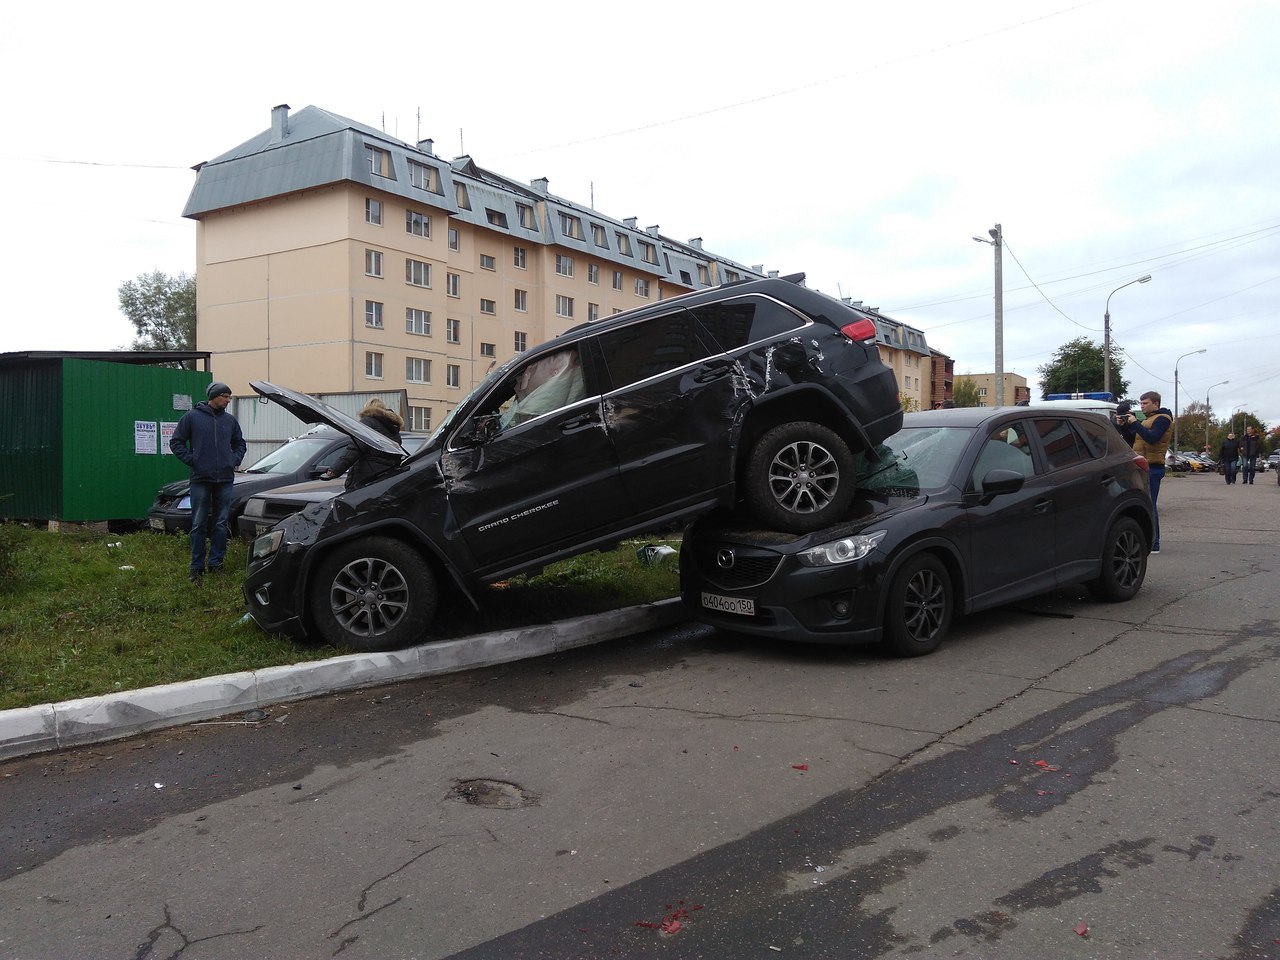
{"x": 715, "y": 371}
{"x": 581, "y": 423}
{"x": 1042, "y": 506}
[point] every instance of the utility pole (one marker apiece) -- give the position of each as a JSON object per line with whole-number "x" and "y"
{"x": 997, "y": 241}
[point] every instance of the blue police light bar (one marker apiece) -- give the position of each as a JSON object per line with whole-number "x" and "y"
{"x": 1096, "y": 395}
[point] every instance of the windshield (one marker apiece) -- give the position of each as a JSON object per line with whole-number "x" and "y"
{"x": 914, "y": 460}
{"x": 291, "y": 456}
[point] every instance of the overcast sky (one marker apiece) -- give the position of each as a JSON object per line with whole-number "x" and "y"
{"x": 864, "y": 147}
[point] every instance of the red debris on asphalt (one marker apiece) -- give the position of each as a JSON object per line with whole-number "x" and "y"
{"x": 1082, "y": 929}
{"x": 799, "y": 766}
{"x": 1046, "y": 765}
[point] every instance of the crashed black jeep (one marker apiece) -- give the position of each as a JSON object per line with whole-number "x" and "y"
{"x": 763, "y": 392}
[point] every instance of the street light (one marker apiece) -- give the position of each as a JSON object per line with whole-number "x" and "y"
{"x": 1233, "y": 419}
{"x": 1106, "y": 333}
{"x": 997, "y": 242}
{"x": 1175, "y": 393}
{"x": 1206, "y": 410}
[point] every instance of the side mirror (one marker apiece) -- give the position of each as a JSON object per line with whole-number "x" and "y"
{"x": 998, "y": 482}
{"x": 315, "y": 473}
{"x": 483, "y": 429}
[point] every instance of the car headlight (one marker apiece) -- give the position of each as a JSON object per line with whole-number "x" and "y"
{"x": 266, "y": 545}
{"x": 846, "y": 550}
{"x": 254, "y": 507}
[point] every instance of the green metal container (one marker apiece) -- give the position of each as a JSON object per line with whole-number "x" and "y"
{"x": 85, "y": 440}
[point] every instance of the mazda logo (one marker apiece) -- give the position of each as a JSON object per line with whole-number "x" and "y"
{"x": 724, "y": 559}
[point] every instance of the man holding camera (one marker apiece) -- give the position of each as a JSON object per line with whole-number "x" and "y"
{"x": 1151, "y": 440}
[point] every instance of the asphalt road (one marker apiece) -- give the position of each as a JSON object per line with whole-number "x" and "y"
{"x": 1062, "y": 779}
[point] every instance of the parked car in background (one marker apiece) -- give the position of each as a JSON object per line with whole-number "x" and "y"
{"x": 959, "y": 511}
{"x": 300, "y": 458}
{"x": 762, "y": 391}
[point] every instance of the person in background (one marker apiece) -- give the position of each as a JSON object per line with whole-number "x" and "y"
{"x": 1250, "y": 450}
{"x": 208, "y": 440}
{"x": 362, "y": 467}
{"x": 1151, "y": 440}
{"x": 1229, "y": 457}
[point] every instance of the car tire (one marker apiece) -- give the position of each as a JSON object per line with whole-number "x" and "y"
{"x": 919, "y": 607}
{"x": 1124, "y": 563}
{"x": 800, "y": 477}
{"x": 373, "y": 594}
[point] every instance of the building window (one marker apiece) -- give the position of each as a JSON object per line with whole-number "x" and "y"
{"x": 593, "y": 273}
{"x": 704, "y": 277}
{"x": 452, "y": 375}
{"x": 420, "y": 419}
{"x": 379, "y": 161}
{"x": 593, "y": 311}
{"x": 617, "y": 279}
{"x": 570, "y": 226}
{"x": 417, "y": 321}
{"x": 452, "y": 285}
{"x": 642, "y": 287}
{"x": 982, "y": 391}
{"x": 417, "y": 273}
{"x": 417, "y": 370}
{"x": 424, "y": 177}
{"x": 526, "y": 216}
{"x": 373, "y": 365}
{"x": 521, "y": 257}
{"x": 453, "y": 330}
{"x": 522, "y": 301}
{"x": 599, "y": 235}
{"x": 419, "y": 224}
{"x": 564, "y": 265}
{"x": 488, "y": 306}
{"x": 373, "y": 211}
{"x": 373, "y": 263}
{"x": 731, "y": 276}
{"x": 488, "y": 349}
{"x": 372, "y": 313}
{"x": 487, "y": 262}
{"x": 453, "y": 238}
{"x": 686, "y": 278}
{"x": 624, "y": 244}
{"x": 564, "y": 306}
{"x": 496, "y": 218}
{"x": 522, "y": 342}
{"x": 463, "y": 198}
{"x": 648, "y": 253}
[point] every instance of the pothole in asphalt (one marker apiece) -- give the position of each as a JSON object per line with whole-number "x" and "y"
{"x": 492, "y": 793}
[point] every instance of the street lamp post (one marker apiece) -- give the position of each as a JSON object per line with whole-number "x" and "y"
{"x": 1106, "y": 333}
{"x": 1175, "y": 393}
{"x": 1233, "y": 418}
{"x": 997, "y": 241}
{"x": 1206, "y": 410}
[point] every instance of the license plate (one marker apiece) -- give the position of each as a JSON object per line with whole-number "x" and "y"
{"x": 156, "y": 523}
{"x": 742, "y": 605}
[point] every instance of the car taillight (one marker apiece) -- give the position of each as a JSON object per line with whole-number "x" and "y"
{"x": 1141, "y": 461}
{"x": 863, "y": 329}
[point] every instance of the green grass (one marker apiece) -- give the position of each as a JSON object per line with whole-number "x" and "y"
{"x": 80, "y": 617}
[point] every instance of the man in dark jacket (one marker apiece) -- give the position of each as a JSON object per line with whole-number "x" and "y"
{"x": 1250, "y": 450}
{"x": 364, "y": 466}
{"x": 208, "y": 440}
{"x": 1229, "y": 457}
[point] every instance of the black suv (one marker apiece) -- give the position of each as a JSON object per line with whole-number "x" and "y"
{"x": 762, "y": 390}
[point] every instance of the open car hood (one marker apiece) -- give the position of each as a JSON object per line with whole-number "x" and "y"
{"x": 310, "y": 410}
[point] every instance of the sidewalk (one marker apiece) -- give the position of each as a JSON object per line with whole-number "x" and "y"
{"x": 52, "y": 726}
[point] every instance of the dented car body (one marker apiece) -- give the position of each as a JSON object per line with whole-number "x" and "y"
{"x": 762, "y": 391}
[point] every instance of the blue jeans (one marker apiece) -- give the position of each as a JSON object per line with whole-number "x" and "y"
{"x": 209, "y": 501}
{"x": 1229, "y": 468}
{"x": 1156, "y": 474}
{"x": 1250, "y": 467}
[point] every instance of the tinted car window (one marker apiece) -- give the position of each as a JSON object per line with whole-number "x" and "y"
{"x": 1006, "y": 449}
{"x": 652, "y": 347}
{"x": 1096, "y": 436}
{"x": 1061, "y": 446}
{"x": 735, "y": 323}
{"x": 540, "y": 386}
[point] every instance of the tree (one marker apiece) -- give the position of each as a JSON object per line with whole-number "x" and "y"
{"x": 964, "y": 393}
{"x": 1077, "y": 367}
{"x": 162, "y": 310}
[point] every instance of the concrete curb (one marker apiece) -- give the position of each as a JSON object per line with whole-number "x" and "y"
{"x": 52, "y": 726}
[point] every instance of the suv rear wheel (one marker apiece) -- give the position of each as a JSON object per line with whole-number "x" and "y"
{"x": 800, "y": 477}
{"x": 373, "y": 594}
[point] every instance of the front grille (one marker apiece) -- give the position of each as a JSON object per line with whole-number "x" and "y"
{"x": 748, "y": 569}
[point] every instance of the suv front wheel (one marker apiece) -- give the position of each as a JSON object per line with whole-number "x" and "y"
{"x": 373, "y": 594}
{"x": 800, "y": 477}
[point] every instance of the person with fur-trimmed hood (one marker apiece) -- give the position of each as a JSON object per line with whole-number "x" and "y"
{"x": 361, "y": 467}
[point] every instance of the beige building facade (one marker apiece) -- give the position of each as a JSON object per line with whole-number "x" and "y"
{"x": 331, "y": 257}
{"x": 1016, "y": 390}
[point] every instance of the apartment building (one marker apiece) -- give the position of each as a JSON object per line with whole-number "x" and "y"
{"x": 333, "y": 257}
{"x": 905, "y": 350}
{"x": 1016, "y": 390}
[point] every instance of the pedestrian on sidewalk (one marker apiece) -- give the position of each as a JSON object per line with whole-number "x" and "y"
{"x": 1229, "y": 457}
{"x": 208, "y": 440}
{"x": 1151, "y": 440}
{"x": 1250, "y": 450}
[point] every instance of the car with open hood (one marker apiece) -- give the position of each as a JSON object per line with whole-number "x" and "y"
{"x": 763, "y": 392}
{"x": 960, "y": 511}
